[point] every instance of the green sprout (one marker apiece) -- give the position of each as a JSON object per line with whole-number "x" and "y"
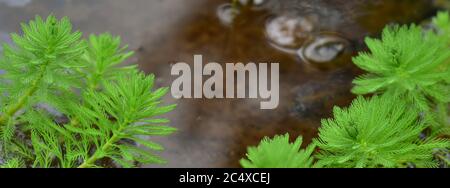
{"x": 279, "y": 153}
{"x": 374, "y": 133}
{"x": 406, "y": 63}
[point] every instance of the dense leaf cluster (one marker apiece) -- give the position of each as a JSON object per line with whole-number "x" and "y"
{"x": 67, "y": 102}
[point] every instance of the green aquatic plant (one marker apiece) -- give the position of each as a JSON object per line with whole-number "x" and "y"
{"x": 408, "y": 71}
{"x": 119, "y": 112}
{"x": 102, "y": 57}
{"x": 374, "y": 133}
{"x": 71, "y": 103}
{"x": 13, "y": 163}
{"x": 40, "y": 64}
{"x": 279, "y": 153}
{"x": 442, "y": 22}
{"x": 406, "y": 63}
{"x": 371, "y": 133}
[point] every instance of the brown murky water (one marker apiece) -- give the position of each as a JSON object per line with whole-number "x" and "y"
{"x": 313, "y": 40}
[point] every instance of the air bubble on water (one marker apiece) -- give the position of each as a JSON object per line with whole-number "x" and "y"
{"x": 227, "y": 13}
{"x": 15, "y": 3}
{"x": 289, "y": 32}
{"x": 323, "y": 49}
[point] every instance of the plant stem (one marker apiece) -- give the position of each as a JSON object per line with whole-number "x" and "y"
{"x": 13, "y": 108}
{"x": 97, "y": 155}
{"x": 89, "y": 162}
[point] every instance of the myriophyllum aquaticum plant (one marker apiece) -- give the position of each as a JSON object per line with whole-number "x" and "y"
{"x": 409, "y": 63}
{"x": 409, "y": 75}
{"x": 374, "y": 133}
{"x": 278, "y": 152}
{"x": 66, "y": 102}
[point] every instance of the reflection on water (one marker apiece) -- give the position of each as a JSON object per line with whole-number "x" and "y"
{"x": 227, "y": 13}
{"x": 323, "y": 48}
{"x": 289, "y": 33}
{"x": 215, "y": 133}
